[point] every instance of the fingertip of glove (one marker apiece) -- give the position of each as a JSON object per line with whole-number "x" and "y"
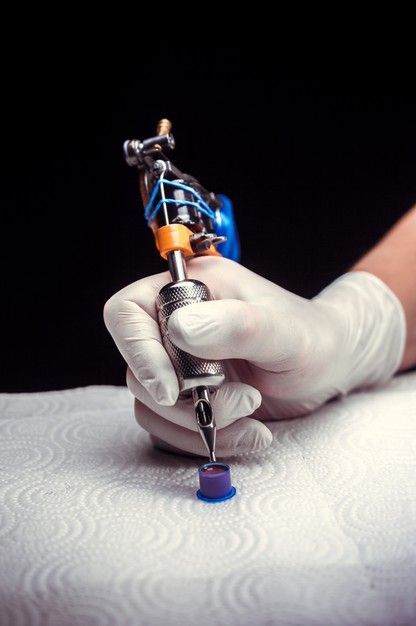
{"x": 167, "y": 400}
{"x": 189, "y": 325}
{"x": 161, "y": 394}
{"x": 255, "y": 439}
{"x": 176, "y": 330}
{"x": 267, "y": 437}
{"x": 250, "y": 399}
{"x": 165, "y": 397}
{"x": 256, "y": 399}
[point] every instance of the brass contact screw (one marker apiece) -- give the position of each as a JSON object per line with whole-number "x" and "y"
{"x": 164, "y": 127}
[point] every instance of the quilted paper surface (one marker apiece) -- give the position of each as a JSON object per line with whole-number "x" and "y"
{"x": 97, "y": 528}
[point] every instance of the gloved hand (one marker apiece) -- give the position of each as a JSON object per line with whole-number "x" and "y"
{"x": 284, "y": 355}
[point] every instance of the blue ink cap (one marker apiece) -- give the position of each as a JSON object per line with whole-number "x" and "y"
{"x": 215, "y": 482}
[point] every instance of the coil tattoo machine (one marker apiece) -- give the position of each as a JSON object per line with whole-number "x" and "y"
{"x": 186, "y": 221}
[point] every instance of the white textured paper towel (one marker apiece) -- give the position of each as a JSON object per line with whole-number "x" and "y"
{"x": 99, "y": 529}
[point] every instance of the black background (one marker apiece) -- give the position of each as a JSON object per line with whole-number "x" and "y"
{"x": 318, "y": 169}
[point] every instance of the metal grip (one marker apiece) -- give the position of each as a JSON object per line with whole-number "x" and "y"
{"x": 191, "y": 370}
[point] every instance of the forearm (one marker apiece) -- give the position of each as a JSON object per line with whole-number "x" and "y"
{"x": 393, "y": 260}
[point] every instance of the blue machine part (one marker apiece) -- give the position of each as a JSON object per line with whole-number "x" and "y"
{"x": 229, "y": 495}
{"x": 226, "y": 226}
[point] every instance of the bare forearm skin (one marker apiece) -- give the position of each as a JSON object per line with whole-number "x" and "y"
{"x": 393, "y": 259}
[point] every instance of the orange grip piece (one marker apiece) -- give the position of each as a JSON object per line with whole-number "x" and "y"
{"x": 173, "y": 237}
{"x": 176, "y": 237}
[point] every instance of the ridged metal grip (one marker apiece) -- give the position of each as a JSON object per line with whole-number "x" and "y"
{"x": 191, "y": 370}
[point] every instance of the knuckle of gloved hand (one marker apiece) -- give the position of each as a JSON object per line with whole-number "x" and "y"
{"x": 245, "y": 326}
{"x": 117, "y": 311}
{"x": 290, "y": 342}
{"x": 131, "y": 381}
{"x": 139, "y": 414}
{"x": 303, "y": 344}
{"x": 110, "y": 311}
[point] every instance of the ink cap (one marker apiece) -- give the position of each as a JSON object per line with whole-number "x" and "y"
{"x": 215, "y": 482}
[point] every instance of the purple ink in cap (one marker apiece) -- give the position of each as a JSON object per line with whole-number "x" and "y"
{"x": 215, "y": 482}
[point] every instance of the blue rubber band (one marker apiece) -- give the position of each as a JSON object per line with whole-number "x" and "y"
{"x": 178, "y": 202}
{"x": 200, "y": 204}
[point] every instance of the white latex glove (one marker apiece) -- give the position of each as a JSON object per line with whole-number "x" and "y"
{"x": 284, "y": 355}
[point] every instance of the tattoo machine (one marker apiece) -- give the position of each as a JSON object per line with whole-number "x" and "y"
{"x": 187, "y": 221}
